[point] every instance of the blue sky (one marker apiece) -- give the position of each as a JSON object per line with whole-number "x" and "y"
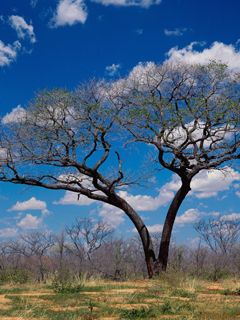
{"x": 59, "y": 43}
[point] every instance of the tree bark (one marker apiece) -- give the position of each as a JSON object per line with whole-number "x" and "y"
{"x": 146, "y": 240}
{"x": 162, "y": 260}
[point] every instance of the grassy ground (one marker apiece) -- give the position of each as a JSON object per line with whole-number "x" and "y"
{"x": 169, "y": 298}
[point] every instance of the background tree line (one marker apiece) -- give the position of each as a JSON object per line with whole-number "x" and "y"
{"x": 89, "y": 248}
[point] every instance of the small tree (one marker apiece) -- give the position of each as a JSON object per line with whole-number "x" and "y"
{"x": 33, "y": 246}
{"x": 85, "y": 237}
{"x": 221, "y": 237}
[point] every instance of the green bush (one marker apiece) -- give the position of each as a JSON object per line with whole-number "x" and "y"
{"x": 167, "y": 308}
{"x": 231, "y": 292}
{"x": 16, "y": 276}
{"x": 183, "y": 293}
{"x": 65, "y": 282}
{"x": 142, "y": 313}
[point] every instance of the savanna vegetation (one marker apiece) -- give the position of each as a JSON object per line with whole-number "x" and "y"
{"x": 78, "y": 141}
{"x": 85, "y": 272}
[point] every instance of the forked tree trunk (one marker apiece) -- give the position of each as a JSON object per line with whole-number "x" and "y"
{"x": 162, "y": 260}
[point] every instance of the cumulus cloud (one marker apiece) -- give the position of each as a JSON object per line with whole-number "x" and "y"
{"x": 16, "y": 115}
{"x": 178, "y": 135}
{"x": 31, "y": 204}
{"x": 218, "y": 51}
{"x": 231, "y": 217}
{"x": 8, "y": 52}
{"x": 30, "y": 222}
{"x": 8, "y": 232}
{"x": 69, "y": 12}
{"x": 113, "y": 69}
{"x": 111, "y": 215}
{"x": 72, "y": 198}
{"x": 148, "y": 203}
{"x": 155, "y": 228}
{"x": 208, "y": 183}
{"x": 129, "y": 3}
{"x": 177, "y": 32}
{"x": 189, "y": 216}
{"x": 23, "y": 29}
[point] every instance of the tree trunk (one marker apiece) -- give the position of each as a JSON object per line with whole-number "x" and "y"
{"x": 162, "y": 260}
{"x": 149, "y": 254}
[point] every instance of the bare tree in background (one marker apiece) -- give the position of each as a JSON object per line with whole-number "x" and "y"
{"x": 85, "y": 237}
{"x": 221, "y": 236}
{"x": 59, "y": 248}
{"x": 34, "y": 246}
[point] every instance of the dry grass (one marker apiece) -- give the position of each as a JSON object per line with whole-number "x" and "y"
{"x": 188, "y": 299}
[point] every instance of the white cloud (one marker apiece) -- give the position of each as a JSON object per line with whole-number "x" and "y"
{"x": 69, "y": 12}
{"x": 22, "y": 28}
{"x": 30, "y": 222}
{"x": 8, "y": 232}
{"x": 8, "y": 53}
{"x": 207, "y": 183}
{"x": 113, "y": 69}
{"x": 72, "y": 198}
{"x": 138, "y": 202}
{"x": 218, "y": 51}
{"x": 148, "y": 203}
{"x": 231, "y": 217}
{"x": 178, "y": 135}
{"x": 111, "y": 215}
{"x": 189, "y": 216}
{"x": 139, "y": 77}
{"x": 15, "y": 116}
{"x": 31, "y": 204}
{"x": 129, "y": 3}
{"x": 177, "y": 32}
{"x": 155, "y": 228}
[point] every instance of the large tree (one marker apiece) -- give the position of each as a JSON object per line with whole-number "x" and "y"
{"x": 191, "y": 115}
{"x": 73, "y": 141}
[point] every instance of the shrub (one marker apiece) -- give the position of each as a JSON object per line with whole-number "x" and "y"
{"x": 65, "y": 282}
{"x": 142, "y": 313}
{"x": 16, "y": 276}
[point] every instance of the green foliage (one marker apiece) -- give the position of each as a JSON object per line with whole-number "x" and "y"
{"x": 227, "y": 292}
{"x": 142, "y": 313}
{"x": 183, "y": 293}
{"x": 216, "y": 275}
{"x": 65, "y": 282}
{"x": 16, "y": 276}
{"x": 175, "y": 308}
{"x": 167, "y": 308}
